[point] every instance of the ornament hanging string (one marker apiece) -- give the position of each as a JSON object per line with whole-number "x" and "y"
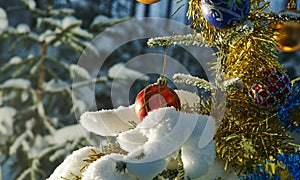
{"x": 162, "y": 80}
{"x": 157, "y": 95}
{"x": 165, "y": 61}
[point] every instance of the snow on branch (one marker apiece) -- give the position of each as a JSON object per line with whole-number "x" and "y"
{"x": 189, "y": 39}
{"x": 18, "y": 83}
{"x": 279, "y": 17}
{"x": 109, "y": 122}
{"x": 195, "y": 81}
{"x": 73, "y": 164}
{"x": 198, "y": 39}
{"x": 120, "y": 71}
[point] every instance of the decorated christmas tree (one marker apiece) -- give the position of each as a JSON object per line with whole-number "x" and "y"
{"x": 246, "y": 128}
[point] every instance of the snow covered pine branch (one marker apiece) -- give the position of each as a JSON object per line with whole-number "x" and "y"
{"x": 151, "y": 146}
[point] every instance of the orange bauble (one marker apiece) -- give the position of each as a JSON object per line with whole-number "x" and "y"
{"x": 148, "y": 1}
{"x": 289, "y": 32}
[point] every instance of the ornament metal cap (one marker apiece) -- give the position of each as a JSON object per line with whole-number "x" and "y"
{"x": 162, "y": 80}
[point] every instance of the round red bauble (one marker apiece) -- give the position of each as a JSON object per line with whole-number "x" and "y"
{"x": 272, "y": 90}
{"x": 153, "y": 97}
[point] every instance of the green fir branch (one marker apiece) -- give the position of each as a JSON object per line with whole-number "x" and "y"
{"x": 232, "y": 37}
{"x": 63, "y": 12}
{"x": 194, "y": 81}
{"x": 179, "y": 8}
{"x": 190, "y": 39}
{"x": 100, "y": 26}
{"x": 59, "y": 63}
{"x": 233, "y": 82}
{"x": 280, "y": 17}
{"x": 19, "y": 71}
{"x": 197, "y": 39}
{"x": 181, "y": 172}
{"x": 27, "y": 61}
{"x": 76, "y": 85}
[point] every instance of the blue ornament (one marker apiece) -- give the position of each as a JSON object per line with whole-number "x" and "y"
{"x": 225, "y": 14}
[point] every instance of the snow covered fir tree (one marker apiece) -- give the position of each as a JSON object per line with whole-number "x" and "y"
{"x": 243, "y": 124}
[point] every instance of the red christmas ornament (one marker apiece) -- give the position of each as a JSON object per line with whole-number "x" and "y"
{"x": 273, "y": 90}
{"x": 155, "y": 96}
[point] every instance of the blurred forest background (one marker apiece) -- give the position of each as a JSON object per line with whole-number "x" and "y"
{"x": 40, "y": 44}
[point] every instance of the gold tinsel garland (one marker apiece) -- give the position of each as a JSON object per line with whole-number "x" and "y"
{"x": 248, "y": 134}
{"x": 209, "y": 33}
{"x": 256, "y": 50}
